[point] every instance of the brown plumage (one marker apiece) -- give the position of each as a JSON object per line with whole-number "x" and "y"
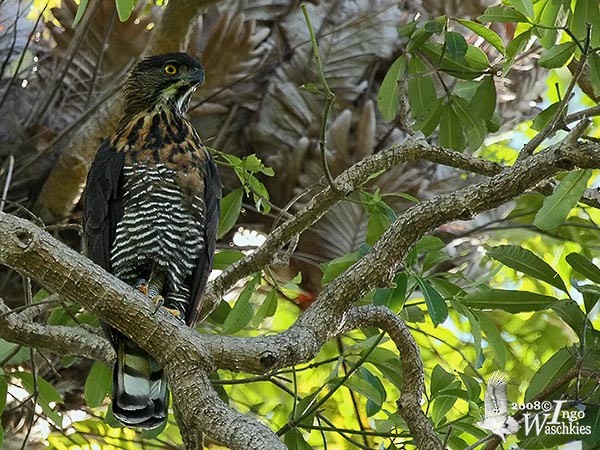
{"x": 150, "y": 217}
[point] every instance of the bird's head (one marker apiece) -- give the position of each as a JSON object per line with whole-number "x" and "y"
{"x": 168, "y": 79}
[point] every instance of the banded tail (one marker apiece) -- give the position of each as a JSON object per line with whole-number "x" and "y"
{"x": 140, "y": 394}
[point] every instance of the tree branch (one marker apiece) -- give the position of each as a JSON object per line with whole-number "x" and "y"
{"x": 17, "y": 328}
{"x": 413, "y": 385}
{"x": 187, "y": 356}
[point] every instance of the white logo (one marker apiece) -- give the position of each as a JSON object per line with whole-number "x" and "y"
{"x": 496, "y": 418}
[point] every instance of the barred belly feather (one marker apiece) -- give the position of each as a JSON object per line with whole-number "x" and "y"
{"x": 159, "y": 229}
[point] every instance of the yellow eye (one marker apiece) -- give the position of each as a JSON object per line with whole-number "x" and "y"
{"x": 170, "y": 69}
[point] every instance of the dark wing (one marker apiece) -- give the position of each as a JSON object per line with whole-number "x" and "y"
{"x": 212, "y": 197}
{"x": 103, "y": 204}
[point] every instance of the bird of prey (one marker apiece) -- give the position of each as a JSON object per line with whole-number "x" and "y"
{"x": 496, "y": 418}
{"x": 151, "y": 210}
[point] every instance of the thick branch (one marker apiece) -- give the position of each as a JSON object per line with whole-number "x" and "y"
{"x": 15, "y": 327}
{"x": 35, "y": 253}
{"x": 188, "y": 356}
{"x": 413, "y": 385}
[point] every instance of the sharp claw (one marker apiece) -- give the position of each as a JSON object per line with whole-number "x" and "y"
{"x": 158, "y": 300}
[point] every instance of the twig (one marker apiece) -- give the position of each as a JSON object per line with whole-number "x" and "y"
{"x": 9, "y": 172}
{"x": 558, "y": 117}
{"x": 329, "y": 100}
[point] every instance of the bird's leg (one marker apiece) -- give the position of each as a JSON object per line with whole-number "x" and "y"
{"x": 155, "y": 287}
{"x": 142, "y": 286}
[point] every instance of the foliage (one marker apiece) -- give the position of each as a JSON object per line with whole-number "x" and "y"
{"x": 516, "y": 290}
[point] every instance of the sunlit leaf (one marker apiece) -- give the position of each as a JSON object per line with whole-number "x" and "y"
{"x": 436, "y": 305}
{"x": 523, "y": 260}
{"x": 494, "y": 338}
{"x": 557, "y": 365}
{"x": 509, "y": 301}
{"x": 241, "y": 313}
{"x": 472, "y": 125}
{"x": 388, "y": 98}
{"x": 525, "y": 7}
{"x": 231, "y": 205}
{"x": 584, "y": 266}
{"x": 557, "y": 206}
{"x": 98, "y": 384}
{"x": 489, "y": 35}
{"x": 557, "y": 56}
{"x": 514, "y": 48}
{"x": 542, "y": 119}
{"x": 124, "y": 9}
{"x": 502, "y": 14}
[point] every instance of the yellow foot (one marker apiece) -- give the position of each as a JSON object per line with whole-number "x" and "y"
{"x": 159, "y": 301}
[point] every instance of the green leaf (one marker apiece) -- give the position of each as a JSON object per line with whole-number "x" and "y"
{"x": 525, "y": 7}
{"x": 473, "y": 386}
{"x": 231, "y": 205}
{"x": 523, "y": 260}
{"x": 98, "y": 384}
{"x": 591, "y": 420}
{"x": 513, "y": 49}
{"x": 124, "y": 9}
{"x": 557, "y": 206}
{"x": 456, "y": 45}
{"x": 502, "y": 14}
{"x": 441, "y": 380}
{"x": 224, "y": 258}
{"x": 394, "y": 297}
{"x": 295, "y": 441}
{"x": 417, "y": 39}
{"x": 336, "y": 266}
{"x": 570, "y": 312}
{"x": 473, "y": 65}
{"x": 268, "y": 307}
{"x": 542, "y": 119}
{"x": 483, "y": 103}
{"x": 493, "y": 336}
{"x": 506, "y": 300}
{"x": 557, "y": 365}
{"x": 594, "y": 60}
{"x": 80, "y": 10}
{"x": 586, "y": 11}
{"x": 473, "y": 126}
{"x": 489, "y": 35}
{"x": 421, "y": 89}
{"x": 436, "y": 25}
{"x": 3, "y": 393}
{"x": 547, "y": 18}
{"x": 359, "y": 384}
{"x": 241, "y": 313}
{"x": 451, "y": 133}
{"x": 408, "y": 29}
{"x": 46, "y": 394}
{"x": 428, "y": 121}
{"x": 557, "y": 56}
{"x": 436, "y": 305}
{"x": 388, "y": 98}
{"x": 584, "y": 266}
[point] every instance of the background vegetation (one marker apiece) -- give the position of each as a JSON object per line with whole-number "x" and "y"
{"x": 417, "y": 117}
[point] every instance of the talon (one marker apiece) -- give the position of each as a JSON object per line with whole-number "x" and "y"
{"x": 158, "y": 300}
{"x": 142, "y": 286}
